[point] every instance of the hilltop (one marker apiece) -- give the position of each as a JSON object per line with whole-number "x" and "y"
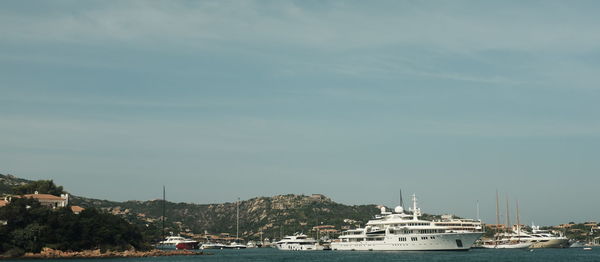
{"x": 8, "y": 182}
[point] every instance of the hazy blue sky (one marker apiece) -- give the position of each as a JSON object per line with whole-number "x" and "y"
{"x": 352, "y": 99}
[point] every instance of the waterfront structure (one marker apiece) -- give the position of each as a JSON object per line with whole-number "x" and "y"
{"x": 398, "y": 231}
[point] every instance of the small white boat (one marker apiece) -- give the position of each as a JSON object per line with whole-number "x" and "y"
{"x": 506, "y": 245}
{"x": 235, "y": 245}
{"x": 297, "y": 242}
{"x": 178, "y": 242}
{"x": 212, "y": 246}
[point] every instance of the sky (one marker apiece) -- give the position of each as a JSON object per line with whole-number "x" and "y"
{"x": 450, "y": 100}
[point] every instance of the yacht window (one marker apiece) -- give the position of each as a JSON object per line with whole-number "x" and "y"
{"x": 459, "y": 243}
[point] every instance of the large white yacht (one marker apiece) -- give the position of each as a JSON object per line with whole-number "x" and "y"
{"x": 297, "y": 242}
{"x": 537, "y": 238}
{"x": 398, "y": 231}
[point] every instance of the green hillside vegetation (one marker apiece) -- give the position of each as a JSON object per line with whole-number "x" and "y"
{"x": 40, "y": 186}
{"x": 8, "y": 182}
{"x": 31, "y": 227}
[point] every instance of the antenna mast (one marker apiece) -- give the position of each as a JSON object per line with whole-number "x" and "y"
{"x": 401, "y": 202}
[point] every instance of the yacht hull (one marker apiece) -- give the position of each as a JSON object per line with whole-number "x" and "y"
{"x": 551, "y": 243}
{"x": 507, "y": 246}
{"x": 297, "y": 247}
{"x": 448, "y": 242}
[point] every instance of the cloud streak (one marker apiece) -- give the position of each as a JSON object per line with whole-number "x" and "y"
{"x": 336, "y": 26}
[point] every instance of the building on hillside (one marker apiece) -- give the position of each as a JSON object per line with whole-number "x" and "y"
{"x": 323, "y": 227}
{"x": 48, "y": 200}
{"x": 562, "y": 226}
{"x": 77, "y": 209}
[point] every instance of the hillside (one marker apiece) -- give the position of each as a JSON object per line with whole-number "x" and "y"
{"x": 273, "y": 216}
{"x": 7, "y": 182}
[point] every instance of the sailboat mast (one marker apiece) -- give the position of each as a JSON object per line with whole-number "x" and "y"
{"x": 507, "y": 215}
{"x": 497, "y": 211}
{"x": 163, "y": 212}
{"x": 478, "y": 211}
{"x": 237, "y": 227}
{"x": 518, "y": 220}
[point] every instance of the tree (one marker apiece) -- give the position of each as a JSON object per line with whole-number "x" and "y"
{"x": 31, "y": 226}
{"x": 41, "y": 186}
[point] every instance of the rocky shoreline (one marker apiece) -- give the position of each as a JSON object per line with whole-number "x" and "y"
{"x": 51, "y": 253}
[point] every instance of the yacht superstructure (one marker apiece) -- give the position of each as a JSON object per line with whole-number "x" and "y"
{"x": 459, "y": 224}
{"x": 398, "y": 231}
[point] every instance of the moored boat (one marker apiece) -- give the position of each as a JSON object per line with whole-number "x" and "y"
{"x": 503, "y": 244}
{"x": 297, "y": 242}
{"x": 398, "y": 231}
{"x": 178, "y": 242}
{"x": 212, "y": 246}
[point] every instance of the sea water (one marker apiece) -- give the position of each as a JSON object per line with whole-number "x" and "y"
{"x": 272, "y": 254}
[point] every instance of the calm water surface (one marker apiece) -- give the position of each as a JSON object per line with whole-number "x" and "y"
{"x": 271, "y": 254}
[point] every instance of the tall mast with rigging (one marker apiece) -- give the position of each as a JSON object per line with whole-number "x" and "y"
{"x": 163, "y": 212}
{"x": 507, "y": 216}
{"x": 237, "y": 227}
{"x": 518, "y": 220}
{"x": 497, "y": 212}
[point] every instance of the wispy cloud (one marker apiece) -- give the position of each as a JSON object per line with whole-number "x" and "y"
{"x": 331, "y": 26}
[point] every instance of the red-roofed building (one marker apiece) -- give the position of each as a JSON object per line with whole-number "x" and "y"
{"x": 77, "y": 209}
{"x": 50, "y": 200}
